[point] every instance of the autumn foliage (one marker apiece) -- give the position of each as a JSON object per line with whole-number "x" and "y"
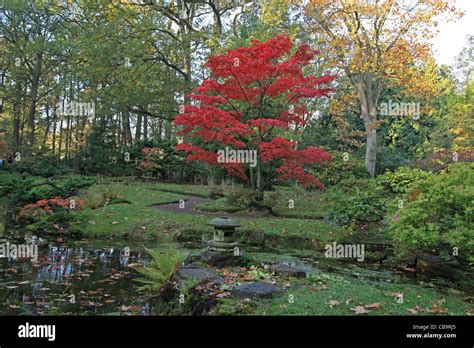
{"x": 151, "y": 156}
{"x": 48, "y": 207}
{"x": 255, "y": 101}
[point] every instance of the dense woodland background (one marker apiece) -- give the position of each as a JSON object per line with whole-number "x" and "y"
{"x": 136, "y": 63}
{"x": 112, "y": 114}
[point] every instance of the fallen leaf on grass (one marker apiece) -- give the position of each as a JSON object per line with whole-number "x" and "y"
{"x": 124, "y": 308}
{"x": 360, "y": 310}
{"x": 415, "y": 310}
{"x": 333, "y": 303}
{"x": 372, "y": 306}
{"x": 135, "y": 265}
{"x": 438, "y": 308}
{"x": 398, "y": 296}
{"x": 365, "y": 308}
{"x": 395, "y": 294}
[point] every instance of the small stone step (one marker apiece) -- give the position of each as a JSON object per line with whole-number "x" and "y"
{"x": 199, "y": 273}
{"x": 286, "y": 270}
{"x": 254, "y": 289}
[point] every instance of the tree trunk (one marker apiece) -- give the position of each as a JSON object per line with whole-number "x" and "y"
{"x": 30, "y": 138}
{"x": 145, "y": 127}
{"x": 55, "y": 120}
{"x": 127, "y": 133}
{"x": 138, "y": 131}
{"x": 252, "y": 178}
{"x": 46, "y": 127}
{"x": 60, "y": 136}
{"x": 368, "y": 93}
{"x": 371, "y": 151}
{"x": 16, "y": 125}
{"x": 259, "y": 181}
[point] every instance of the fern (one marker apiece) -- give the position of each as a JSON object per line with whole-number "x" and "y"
{"x": 158, "y": 273}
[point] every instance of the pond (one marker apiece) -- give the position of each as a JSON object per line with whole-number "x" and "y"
{"x": 90, "y": 277}
{"x": 73, "y": 277}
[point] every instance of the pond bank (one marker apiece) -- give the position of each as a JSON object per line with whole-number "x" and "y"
{"x": 88, "y": 277}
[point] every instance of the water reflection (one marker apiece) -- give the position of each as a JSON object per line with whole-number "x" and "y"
{"x": 62, "y": 271}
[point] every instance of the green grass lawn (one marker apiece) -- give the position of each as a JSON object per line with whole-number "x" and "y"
{"x": 197, "y": 190}
{"x": 328, "y": 294}
{"x": 137, "y": 219}
{"x": 291, "y": 203}
{"x": 140, "y": 219}
{"x": 296, "y": 204}
{"x": 219, "y": 205}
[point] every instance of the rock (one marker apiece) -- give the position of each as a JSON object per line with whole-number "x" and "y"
{"x": 429, "y": 266}
{"x": 222, "y": 259}
{"x": 254, "y": 289}
{"x": 199, "y": 273}
{"x": 287, "y": 270}
{"x": 254, "y": 237}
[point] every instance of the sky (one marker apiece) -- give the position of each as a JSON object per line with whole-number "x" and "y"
{"x": 452, "y": 36}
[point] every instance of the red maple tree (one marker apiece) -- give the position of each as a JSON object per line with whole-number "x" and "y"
{"x": 255, "y": 94}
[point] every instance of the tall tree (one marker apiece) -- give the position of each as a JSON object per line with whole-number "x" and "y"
{"x": 376, "y": 43}
{"x": 256, "y": 95}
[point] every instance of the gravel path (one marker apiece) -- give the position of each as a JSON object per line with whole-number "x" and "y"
{"x": 190, "y": 203}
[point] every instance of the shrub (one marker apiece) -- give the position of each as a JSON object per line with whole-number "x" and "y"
{"x": 65, "y": 221}
{"x": 437, "y": 213}
{"x": 50, "y": 215}
{"x": 272, "y": 199}
{"x": 216, "y": 191}
{"x": 390, "y": 159}
{"x": 47, "y": 207}
{"x": 356, "y": 202}
{"x": 152, "y": 156}
{"x": 439, "y": 160}
{"x": 42, "y": 192}
{"x": 73, "y": 184}
{"x": 350, "y": 185}
{"x": 101, "y": 195}
{"x": 31, "y": 189}
{"x": 9, "y": 183}
{"x": 158, "y": 273}
{"x": 245, "y": 198}
{"x": 402, "y": 179}
{"x": 40, "y": 165}
{"x": 242, "y": 197}
{"x": 331, "y": 173}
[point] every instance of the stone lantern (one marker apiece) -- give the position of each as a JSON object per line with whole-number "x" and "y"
{"x": 224, "y": 239}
